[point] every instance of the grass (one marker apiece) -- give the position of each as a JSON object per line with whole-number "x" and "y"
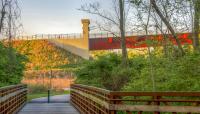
{"x": 45, "y": 94}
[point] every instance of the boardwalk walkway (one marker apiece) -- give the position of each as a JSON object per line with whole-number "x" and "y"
{"x": 39, "y": 106}
{"x": 53, "y": 99}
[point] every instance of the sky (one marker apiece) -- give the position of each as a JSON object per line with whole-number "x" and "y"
{"x": 54, "y": 16}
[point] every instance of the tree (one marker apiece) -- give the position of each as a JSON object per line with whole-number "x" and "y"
{"x": 2, "y": 13}
{"x": 154, "y": 5}
{"x": 196, "y": 24}
{"x": 10, "y": 23}
{"x": 8, "y": 75}
{"x": 122, "y": 31}
{"x": 150, "y": 22}
{"x": 9, "y": 26}
{"x": 113, "y": 23}
{"x": 176, "y": 15}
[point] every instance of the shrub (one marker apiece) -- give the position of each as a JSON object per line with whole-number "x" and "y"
{"x": 157, "y": 73}
{"x": 11, "y": 69}
{"x": 104, "y": 72}
{"x": 168, "y": 74}
{"x": 44, "y": 55}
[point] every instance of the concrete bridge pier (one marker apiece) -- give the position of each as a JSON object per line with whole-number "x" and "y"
{"x": 78, "y": 46}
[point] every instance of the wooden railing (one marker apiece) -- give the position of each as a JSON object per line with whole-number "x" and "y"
{"x": 92, "y": 100}
{"x": 12, "y": 98}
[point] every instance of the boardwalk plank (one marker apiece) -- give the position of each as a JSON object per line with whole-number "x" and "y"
{"x": 48, "y": 108}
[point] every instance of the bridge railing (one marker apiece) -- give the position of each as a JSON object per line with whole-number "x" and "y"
{"x": 12, "y": 98}
{"x": 71, "y": 36}
{"x": 91, "y": 100}
{"x": 50, "y": 36}
{"x": 107, "y": 35}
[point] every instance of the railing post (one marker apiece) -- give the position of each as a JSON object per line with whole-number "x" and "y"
{"x": 48, "y": 96}
{"x": 140, "y": 112}
{"x": 111, "y": 97}
{"x": 157, "y": 102}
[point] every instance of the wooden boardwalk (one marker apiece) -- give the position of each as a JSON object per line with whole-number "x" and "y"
{"x": 48, "y": 108}
{"x": 59, "y": 104}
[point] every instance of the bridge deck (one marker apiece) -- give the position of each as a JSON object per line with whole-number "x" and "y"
{"x": 48, "y": 108}
{"x": 59, "y": 104}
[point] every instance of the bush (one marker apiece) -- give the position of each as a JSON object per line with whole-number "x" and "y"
{"x": 12, "y": 65}
{"x": 43, "y": 55}
{"x": 103, "y": 72}
{"x": 119, "y": 77}
{"x": 167, "y": 74}
{"x": 157, "y": 73}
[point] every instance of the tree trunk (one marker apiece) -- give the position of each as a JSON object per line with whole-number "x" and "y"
{"x": 153, "y": 2}
{"x": 196, "y": 24}
{"x": 2, "y": 16}
{"x": 11, "y": 56}
{"x": 122, "y": 31}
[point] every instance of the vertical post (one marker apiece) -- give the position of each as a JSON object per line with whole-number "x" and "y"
{"x": 140, "y": 112}
{"x": 157, "y": 103}
{"x": 112, "y": 102}
{"x": 48, "y": 95}
{"x": 49, "y": 90}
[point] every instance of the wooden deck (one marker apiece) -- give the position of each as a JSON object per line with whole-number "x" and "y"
{"x": 48, "y": 108}
{"x": 59, "y": 104}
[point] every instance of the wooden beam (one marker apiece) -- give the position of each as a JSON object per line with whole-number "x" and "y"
{"x": 153, "y": 108}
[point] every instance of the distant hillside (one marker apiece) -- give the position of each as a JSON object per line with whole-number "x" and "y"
{"x": 44, "y": 55}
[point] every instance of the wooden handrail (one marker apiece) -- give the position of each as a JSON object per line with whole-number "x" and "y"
{"x": 93, "y": 100}
{"x": 12, "y": 98}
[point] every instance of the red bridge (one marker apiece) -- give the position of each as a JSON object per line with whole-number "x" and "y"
{"x": 81, "y": 46}
{"x": 102, "y": 42}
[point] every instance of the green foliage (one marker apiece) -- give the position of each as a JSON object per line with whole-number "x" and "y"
{"x": 11, "y": 69}
{"x": 105, "y": 72}
{"x": 170, "y": 74}
{"x": 44, "y": 55}
{"x": 143, "y": 73}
